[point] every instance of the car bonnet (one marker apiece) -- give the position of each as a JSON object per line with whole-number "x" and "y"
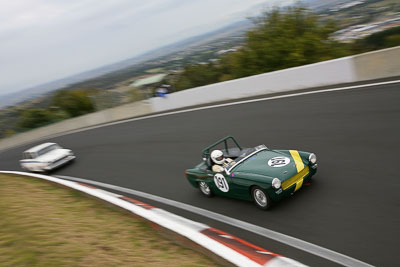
{"x": 269, "y": 163}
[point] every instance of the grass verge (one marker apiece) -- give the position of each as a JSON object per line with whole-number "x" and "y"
{"x": 42, "y": 224}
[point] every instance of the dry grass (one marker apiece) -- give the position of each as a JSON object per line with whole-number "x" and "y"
{"x": 42, "y": 224}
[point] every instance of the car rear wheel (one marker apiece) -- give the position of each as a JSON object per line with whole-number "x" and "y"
{"x": 261, "y": 198}
{"x": 205, "y": 189}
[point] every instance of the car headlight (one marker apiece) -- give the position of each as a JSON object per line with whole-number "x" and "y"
{"x": 276, "y": 183}
{"x": 312, "y": 158}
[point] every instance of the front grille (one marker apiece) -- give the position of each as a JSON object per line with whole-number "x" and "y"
{"x": 294, "y": 179}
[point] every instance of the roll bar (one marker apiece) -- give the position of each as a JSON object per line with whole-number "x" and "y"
{"x": 205, "y": 153}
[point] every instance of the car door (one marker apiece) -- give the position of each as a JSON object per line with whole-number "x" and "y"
{"x": 223, "y": 185}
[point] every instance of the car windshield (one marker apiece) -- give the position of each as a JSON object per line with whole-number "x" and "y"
{"x": 47, "y": 149}
{"x": 245, "y": 154}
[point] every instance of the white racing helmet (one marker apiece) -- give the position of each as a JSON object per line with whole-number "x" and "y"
{"x": 217, "y": 156}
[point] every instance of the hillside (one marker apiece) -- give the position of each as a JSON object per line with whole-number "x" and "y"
{"x": 129, "y": 67}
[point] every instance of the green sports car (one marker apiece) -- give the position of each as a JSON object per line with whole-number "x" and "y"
{"x": 256, "y": 174}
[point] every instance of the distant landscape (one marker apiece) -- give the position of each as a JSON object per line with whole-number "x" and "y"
{"x": 348, "y": 14}
{"x": 131, "y": 67}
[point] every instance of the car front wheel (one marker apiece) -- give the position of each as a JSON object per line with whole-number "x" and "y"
{"x": 205, "y": 189}
{"x": 261, "y": 198}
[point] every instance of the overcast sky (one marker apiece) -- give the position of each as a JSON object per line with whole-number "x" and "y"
{"x": 45, "y": 40}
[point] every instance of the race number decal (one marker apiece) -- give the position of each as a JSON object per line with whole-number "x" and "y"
{"x": 221, "y": 182}
{"x": 278, "y": 161}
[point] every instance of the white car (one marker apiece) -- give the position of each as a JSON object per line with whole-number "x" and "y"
{"x": 45, "y": 157}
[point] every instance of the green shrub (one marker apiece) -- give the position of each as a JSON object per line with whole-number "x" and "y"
{"x": 73, "y": 102}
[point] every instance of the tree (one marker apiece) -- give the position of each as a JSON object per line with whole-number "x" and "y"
{"x": 288, "y": 38}
{"x": 73, "y": 102}
{"x": 282, "y": 38}
{"x": 379, "y": 40}
{"x": 33, "y": 118}
{"x": 197, "y": 75}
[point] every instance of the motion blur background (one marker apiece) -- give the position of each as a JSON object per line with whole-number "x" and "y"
{"x": 67, "y": 58}
{"x": 68, "y": 65}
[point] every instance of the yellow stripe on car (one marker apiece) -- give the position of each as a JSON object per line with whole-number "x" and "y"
{"x": 297, "y": 160}
{"x": 296, "y": 179}
{"x": 299, "y": 184}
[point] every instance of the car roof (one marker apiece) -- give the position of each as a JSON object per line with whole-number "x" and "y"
{"x": 39, "y": 147}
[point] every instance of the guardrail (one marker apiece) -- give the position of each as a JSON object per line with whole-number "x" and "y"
{"x": 374, "y": 65}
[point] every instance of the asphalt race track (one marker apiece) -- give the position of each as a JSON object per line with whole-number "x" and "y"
{"x": 352, "y": 206}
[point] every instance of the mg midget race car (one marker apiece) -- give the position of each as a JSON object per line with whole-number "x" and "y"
{"x": 45, "y": 157}
{"x": 256, "y": 174}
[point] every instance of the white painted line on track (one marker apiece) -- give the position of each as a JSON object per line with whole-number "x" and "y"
{"x": 237, "y": 252}
{"x": 282, "y": 238}
{"x": 231, "y": 104}
{"x": 108, "y": 193}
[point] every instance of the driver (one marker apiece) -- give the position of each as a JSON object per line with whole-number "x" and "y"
{"x": 217, "y": 156}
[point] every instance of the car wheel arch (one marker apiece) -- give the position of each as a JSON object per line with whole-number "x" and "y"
{"x": 265, "y": 188}
{"x": 266, "y": 197}
{"x": 208, "y": 192}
